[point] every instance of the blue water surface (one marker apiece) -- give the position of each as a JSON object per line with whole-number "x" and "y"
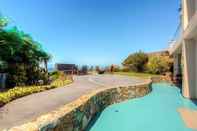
{"x": 155, "y": 112}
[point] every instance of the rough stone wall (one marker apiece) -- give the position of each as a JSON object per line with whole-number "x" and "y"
{"x": 158, "y": 79}
{"x": 76, "y": 115}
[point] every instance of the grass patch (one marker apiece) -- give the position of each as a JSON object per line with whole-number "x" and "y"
{"x": 135, "y": 74}
{"x": 17, "y": 92}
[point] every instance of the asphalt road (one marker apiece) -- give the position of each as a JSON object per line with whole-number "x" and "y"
{"x": 30, "y": 107}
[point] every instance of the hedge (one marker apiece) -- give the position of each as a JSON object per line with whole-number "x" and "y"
{"x": 17, "y": 92}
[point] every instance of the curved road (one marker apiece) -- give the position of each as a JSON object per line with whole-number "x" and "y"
{"x": 28, "y": 108}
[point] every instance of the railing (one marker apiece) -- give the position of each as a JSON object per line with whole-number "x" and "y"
{"x": 181, "y": 33}
{"x": 176, "y": 39}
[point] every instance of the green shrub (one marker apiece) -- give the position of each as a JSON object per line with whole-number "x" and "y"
{"x": 116, "y": 68}
{"x": 17, "y": 75}
{"x": 54, "y": 75}
{"x": 159, "y": 64}
{"x": 125, "y": 69}
{"x": 60, "y": 83}
{"x": 136, "y": 62}
{"x": 18, "y": 92}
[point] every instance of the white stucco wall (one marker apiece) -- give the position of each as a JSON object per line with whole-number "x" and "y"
{"x": 188, "y": 9}
{"x": 190, "y": 69}
{"x": 189, "y": 49}
{"x": 195, "y": 88}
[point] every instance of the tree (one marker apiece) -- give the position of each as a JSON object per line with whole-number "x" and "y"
{"x": 3, "y": 22}
{"x": 22, "y": 57}
{"x": 84, "y": 69}
{"x": 97, "y": 68}
{"x": 3, "y": 66}
{"x": 91, "y": 69}
{"x": 159, "y": 64}
{"x": 112, "y": 68}
{"x": 136, "y": 62}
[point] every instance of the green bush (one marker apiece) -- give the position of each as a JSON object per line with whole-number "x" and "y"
{"x": 54, "y": 75}
{"x": 136, "y": 62}
{"x": 60, "y": 83}
{"x": 17, "y": 75}
{"x": 159, "y": 64}
{"x": 18, "y": 92}
{"x": 125, "y": 69}
{"x": 116, "y": 68}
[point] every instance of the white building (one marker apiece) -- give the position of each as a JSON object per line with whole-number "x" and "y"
{"x": 184, "y": 50}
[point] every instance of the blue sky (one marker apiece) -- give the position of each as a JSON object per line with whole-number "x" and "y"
{"x": 95, "y": 32}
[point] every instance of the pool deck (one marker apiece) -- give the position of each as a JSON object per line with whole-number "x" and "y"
{"x": 164, "y": 109}
{"x": 189, "y": 117}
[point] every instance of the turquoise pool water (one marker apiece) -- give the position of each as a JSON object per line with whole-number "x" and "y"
{"x": 154, "y": 112}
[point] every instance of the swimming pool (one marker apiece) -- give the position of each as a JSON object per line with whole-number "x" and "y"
{"x": 155, "y": 112}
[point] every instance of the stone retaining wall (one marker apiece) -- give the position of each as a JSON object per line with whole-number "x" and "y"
{"x": 158, "y": 79}
{"x": 76, "y": 115}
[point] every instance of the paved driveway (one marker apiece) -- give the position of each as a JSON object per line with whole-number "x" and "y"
{"x": 28, "y": 108}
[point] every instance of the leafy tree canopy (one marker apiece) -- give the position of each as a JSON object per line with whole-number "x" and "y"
{"x": 3, "y": 22}
{"x": 136, "y": 62}
{"x": 159, "y": 64}
{"x": 20, "y": 55}
{"x": 16, "y": 46}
